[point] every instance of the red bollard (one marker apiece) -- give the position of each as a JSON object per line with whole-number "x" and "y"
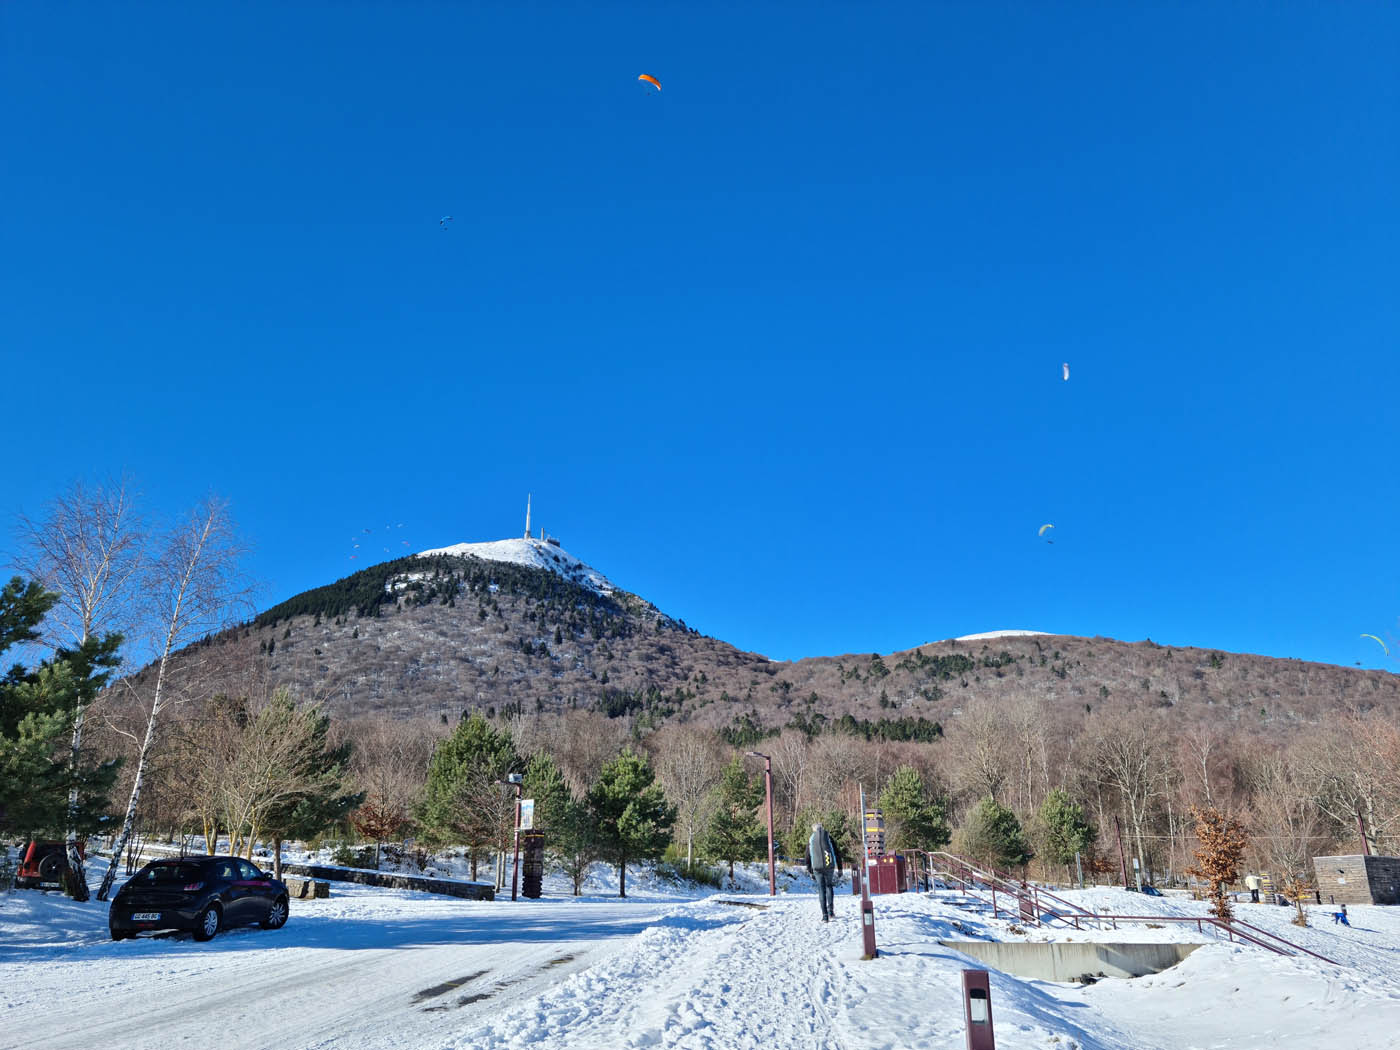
{"x": 977, "y": 1010}
{"x": 867, "y": 927}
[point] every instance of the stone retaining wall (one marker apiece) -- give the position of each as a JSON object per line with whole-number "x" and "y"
{"x": 1069, "y": 961}
{"x": 479, "y": 891}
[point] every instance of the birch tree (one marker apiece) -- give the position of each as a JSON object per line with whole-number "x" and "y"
{"x": 87, "y": 547}
{"x": 689, "y": 763}
{"x": 194, "y": 587}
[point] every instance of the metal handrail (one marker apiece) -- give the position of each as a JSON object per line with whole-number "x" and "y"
{"x": 1025, "y": 892}
{"x": 1020, "y": 888}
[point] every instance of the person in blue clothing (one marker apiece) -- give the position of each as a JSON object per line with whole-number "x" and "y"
{"x": 1340, "y": 916}
{"x": 824, "y": 861}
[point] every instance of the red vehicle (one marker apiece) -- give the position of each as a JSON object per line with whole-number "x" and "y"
{"x": 44, "y": 865}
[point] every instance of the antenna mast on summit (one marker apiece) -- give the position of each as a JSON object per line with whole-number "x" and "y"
{"x": 527, "y": 515}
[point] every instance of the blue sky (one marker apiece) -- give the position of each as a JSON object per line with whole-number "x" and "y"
{"x": 779, "y": 347}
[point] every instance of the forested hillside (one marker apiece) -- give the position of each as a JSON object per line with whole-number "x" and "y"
{"x": 442, "y": 635}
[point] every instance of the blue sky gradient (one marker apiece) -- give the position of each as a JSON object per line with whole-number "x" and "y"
{"x": 779, "y": 347}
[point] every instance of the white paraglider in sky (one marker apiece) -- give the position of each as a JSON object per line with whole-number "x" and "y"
{"x": 1065, "y": 366}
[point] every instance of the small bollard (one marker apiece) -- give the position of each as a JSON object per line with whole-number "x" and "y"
{"x": 977, "y": 1010}
{"x": 867, "y": 929}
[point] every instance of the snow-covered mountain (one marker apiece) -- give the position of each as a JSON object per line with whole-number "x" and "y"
{"x": 535, "y": 553}
{"x": 523, "y": 625}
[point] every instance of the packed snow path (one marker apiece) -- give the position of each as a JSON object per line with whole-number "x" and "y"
{"x": 392, "y": 969}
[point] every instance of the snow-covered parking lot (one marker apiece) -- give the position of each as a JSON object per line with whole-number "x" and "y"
{"x": 372, "y": 968}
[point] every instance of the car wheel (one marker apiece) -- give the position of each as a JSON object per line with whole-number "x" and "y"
{"x": 120, "y": 935}
{"x": 208, "y": 923}
{"x": 276, "y": 915}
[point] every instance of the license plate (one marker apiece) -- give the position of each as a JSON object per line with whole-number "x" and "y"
{"x": 48, "y": 885}
{"x": 145, "y": 916}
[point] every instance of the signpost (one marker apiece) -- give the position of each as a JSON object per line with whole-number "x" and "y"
{"x": 527, "y": 814}
{"x": 867, "y": 909}
{"x": 874, "y": 832}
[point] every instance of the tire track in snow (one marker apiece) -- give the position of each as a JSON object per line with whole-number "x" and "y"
{"x": 291, "y": 996}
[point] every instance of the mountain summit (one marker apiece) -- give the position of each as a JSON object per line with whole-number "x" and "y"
{"x": 533, "y": 553}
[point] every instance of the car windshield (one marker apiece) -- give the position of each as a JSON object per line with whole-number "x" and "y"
{"x": 163, "y": 874}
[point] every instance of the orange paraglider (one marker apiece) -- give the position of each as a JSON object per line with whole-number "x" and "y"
{"x": 651, "y": 80}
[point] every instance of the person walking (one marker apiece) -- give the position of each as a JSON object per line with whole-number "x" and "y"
{"x": 824, "y": 861}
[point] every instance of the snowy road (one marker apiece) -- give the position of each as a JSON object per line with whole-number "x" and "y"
{"x": 366, "y": 969}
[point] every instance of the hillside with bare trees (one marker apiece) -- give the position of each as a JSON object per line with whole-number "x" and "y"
{"x": 1071, "y": 738}
{"x": 444, "y": 635}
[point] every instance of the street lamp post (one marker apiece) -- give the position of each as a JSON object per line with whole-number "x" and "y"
{"x": 515, "y": 780}
{"x": 867, "y": 909}
{"x": 768, "y": 792}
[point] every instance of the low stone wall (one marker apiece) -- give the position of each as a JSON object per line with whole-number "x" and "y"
{"x": 316, "y": 876}
{"x": 1358, "y": 879}
{"x": 1072, "y": 960}
{"x": 479, "y": 891}
{"x": 306, "y": 889}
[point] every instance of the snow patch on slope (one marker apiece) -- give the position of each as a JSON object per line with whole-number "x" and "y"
{"x": 537, "y": 554}
{"x": 997, "y": 634}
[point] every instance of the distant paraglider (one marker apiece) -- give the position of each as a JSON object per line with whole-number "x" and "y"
{"x": 1043, "y": 530}
{"x": 442, "y": 223}
{"x": 1065, "y": 366}
{"x": 648, "y": 78}
{"x": 1378, "y": 642}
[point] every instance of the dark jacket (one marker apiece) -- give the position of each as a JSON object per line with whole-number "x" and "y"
{"x": 822, "y": 854}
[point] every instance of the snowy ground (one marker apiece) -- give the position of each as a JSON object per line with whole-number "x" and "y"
{"x": 668, "y": 967}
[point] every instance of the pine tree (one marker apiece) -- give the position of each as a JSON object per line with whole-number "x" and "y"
{"x": 993, "y": 835}
{"x": 1222, "y": 843}
{"x": 734, "y": 831}
{"x": 631, "y": 814}
{"x": 915, "y": 821}
{"x": 569, "y": 835}
{"x": 1063, "y": 829}
{"x": 36, "y": 714}
{"x": 462, "y": 800}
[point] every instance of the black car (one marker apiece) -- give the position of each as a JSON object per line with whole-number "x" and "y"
{"x": 199, "y": 894}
